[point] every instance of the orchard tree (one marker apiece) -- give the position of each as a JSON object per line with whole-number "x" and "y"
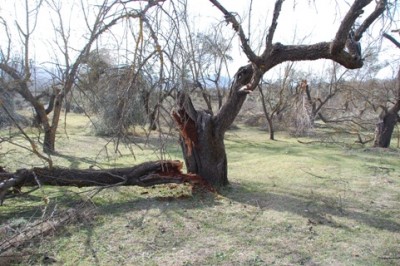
{"x": 275, "y": 99}
{"x": 106, "y": 15}
{"x": 326, "y": 91}
{"x": 389, "y": 117}
{"x": 113, "y": 95}
{"x": 202, "y": 134}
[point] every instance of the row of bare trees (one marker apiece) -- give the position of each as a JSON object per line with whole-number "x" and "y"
{"x": 104, "y": 17}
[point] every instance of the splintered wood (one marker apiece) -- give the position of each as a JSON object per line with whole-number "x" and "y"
{"x": 187, "y": 129}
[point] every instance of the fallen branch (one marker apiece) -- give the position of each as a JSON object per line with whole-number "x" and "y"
{"x": 390, "y": 258}
{"x": 319, "y": 141}
{"x": 144, "y": 175}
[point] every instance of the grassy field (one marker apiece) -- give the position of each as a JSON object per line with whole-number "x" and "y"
{"x": 288, "y": 204}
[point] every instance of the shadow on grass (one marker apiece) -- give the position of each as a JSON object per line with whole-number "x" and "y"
{"x": 143, "y": 209}
{"x": 31, "y": 206}
{"x": 168, "y": 149}
{"x": 75, "y": 161}
{"x": 275, "y": 147}
{"x": 182, "y": 202}
{"x": 314, "y": 207}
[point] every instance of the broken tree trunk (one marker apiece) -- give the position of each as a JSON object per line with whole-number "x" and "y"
{"x": 202, "y": 134}
{"x": 145, "y": 174}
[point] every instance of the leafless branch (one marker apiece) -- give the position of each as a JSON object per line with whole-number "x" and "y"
{"x": 392, "y": 39}
{"x": 345, "y": 26}
{"x": 34, "y": 148}
{"x": 272, "y": 28}
{"x": 230, "y": 18}
{"x": 379, "y": 9}
{"x": 5, "y": 56}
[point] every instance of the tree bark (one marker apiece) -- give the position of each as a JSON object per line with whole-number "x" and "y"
{"x": 388, "y": 118}
{"x": 268, "y": 116}
{"x": 49, "y": 142}
{"x": 387, "y": 121}
{"x": 202, "y": 134}
{"x": 271, "y": 128}
{"x": 384, "y": 128}
{"x": 203, "y": 148}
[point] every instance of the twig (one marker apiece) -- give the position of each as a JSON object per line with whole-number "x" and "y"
{"x": 389, "y": 258}
{"x": 31, "y": 142}
{"x": 314, "y": 175}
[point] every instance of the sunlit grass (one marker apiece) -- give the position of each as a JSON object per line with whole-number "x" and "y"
{"x": 288, "y": 204}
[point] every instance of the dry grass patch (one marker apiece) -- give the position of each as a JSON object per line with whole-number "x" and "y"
{"x": 288, "y": 204}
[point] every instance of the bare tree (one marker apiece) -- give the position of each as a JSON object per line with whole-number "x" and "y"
{"x": 112, "y": 95}
{"x": 276, "y": 98}
{"x": 326, "y": 91}
{"x": 389, "y": 116}
{"x": 202, "y": 134}
{"x": 20, "y": 74}
{"x": 106, "y": 16}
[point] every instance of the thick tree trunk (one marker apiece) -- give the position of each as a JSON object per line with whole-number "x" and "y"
{"x": 204, "y": 153}
{"x": 49, "y": 141}
{"x": 384, "y": 129}
{"x": 50, "y": 132}
{"x": 387, "y": 121}
{"x": 271, "y": 128}
{"x": 202, "y": 134}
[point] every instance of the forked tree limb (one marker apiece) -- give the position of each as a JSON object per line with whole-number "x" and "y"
{"x": 352, "y": 14}
{"x": 248, "y": 77}
{"x": 277, "y": 53}
{"x": 378, "y": 11}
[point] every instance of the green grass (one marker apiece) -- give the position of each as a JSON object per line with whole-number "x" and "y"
{"x": 288, "y": 204}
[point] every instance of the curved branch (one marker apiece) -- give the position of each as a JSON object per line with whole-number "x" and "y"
{"x": 379, "y": 9}
{"x": 248, "y": 77}
{"x": 272, "y": 28}
{"x": 341, "y": 36}
{"x": 282, "y": 53}
{"x": 23, "y": 89}
{"x": 236, "y": 98}
{"x": 392, "y": 39}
